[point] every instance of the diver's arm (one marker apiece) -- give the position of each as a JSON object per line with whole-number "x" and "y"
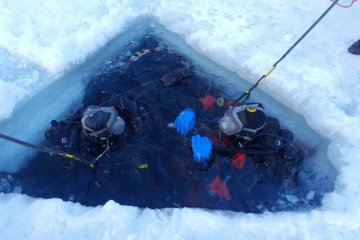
{"x": 175, "y": 79}
{"x": 186, "y": 119}
{"x": 246, "y": 151}
{"x": 202, "y": 147}
{"x": 129, "y": 109}
{"x": 209, "y": 104}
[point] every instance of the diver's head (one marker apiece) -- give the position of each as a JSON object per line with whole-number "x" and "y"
{"x": 248, "y": 117}
{"x": 102, "y": 121}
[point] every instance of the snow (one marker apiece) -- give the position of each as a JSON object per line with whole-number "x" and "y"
{"x": 42, "y": 41}
{"x": 63, "y": 220}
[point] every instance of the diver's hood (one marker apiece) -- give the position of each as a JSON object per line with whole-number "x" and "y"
{"x": 97, "y": 120}
{"x": 248, "y": 117}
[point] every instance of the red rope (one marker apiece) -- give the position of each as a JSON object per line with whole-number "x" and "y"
{"x": 346, "y": 6}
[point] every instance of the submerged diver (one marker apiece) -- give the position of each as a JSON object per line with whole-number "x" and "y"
{"x": 244, "y": 132}
{"x": 98, "y": 129}
{"x": 241, "y": 127}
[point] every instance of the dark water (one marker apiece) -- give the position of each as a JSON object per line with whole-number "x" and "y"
{"x": 154, "y": 168}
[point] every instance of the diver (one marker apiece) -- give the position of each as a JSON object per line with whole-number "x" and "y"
{"x": 99, "y": 128}
{"x": 245, "y": 146}
{"x": 243, "y": 130}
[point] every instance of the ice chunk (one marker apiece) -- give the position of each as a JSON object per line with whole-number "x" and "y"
{"x": 4, "y": 185}
{"x": 10, "y": 95}
{"x": 35, "y": 76}
{"x": 17, "y": 189}
{"x": 291, "y": 198}
{"x": 310, "y": 195}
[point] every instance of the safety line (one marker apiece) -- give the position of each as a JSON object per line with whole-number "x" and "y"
{"x": 247, "y": 93}
{"x": 47, "y": 150}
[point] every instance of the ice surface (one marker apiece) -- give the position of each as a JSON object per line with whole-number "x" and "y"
{"x": 318, "y": 80}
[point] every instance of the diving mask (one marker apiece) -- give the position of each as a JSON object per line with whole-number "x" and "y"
{"x": 248, "y": 117}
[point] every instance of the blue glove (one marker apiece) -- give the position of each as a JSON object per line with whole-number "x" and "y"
{"x": 202, "y": 147}
{"x": 185, "y": 121}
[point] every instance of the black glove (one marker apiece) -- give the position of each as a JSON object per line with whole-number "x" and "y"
{"x": 128, "y": 107}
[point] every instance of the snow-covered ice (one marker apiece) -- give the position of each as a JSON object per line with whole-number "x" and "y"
{"x": 42, "y": 41}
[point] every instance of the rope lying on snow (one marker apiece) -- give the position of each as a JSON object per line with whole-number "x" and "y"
{"x": 345, "y": 6}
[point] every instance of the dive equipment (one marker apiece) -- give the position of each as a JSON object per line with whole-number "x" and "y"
{"x": 202, "y": 147}
{"x": 101, "y": 122}
{"x": 247, "y": 117}
{"x": 185, "y": 121}
{"x": 288, "y": 154}
{"x": 247, "y": 93}
{"x": 50, "y": 151}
